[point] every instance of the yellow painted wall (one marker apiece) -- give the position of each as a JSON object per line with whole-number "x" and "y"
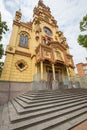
{"x": 12, "y": 73}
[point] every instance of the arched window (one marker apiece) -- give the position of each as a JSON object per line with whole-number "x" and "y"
{"x": 23, "y": 40}
{"x": 47, "y": 31}
{"x": 26, "y": 41}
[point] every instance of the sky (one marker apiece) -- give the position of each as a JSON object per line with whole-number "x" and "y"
{"x": 68, "y": 14}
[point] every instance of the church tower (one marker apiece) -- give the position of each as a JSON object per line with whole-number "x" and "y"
{"x": 37, "y": 49}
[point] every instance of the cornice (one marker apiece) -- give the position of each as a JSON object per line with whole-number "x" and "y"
{"x": 55, "y": 43}
{"x": 69, "y": 55}
{"x": 33, "y": 56}
{"x": 16, "y": 23}
{"x": 22, "y": 53}
{"x": 71, "y": 66}
{"x": 44, "y": 46}
{"x": 26, "y": 25}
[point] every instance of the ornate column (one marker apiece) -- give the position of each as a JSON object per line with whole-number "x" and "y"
{"x": 68, "y": 73}
{"x": 53, "y": 69}
{"x": 41, "y": 66}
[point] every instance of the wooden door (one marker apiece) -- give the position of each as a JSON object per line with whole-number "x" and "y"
{"x": 50, "y": 78}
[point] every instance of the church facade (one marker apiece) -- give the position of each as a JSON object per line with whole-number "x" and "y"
{"x": 37, "y": 50}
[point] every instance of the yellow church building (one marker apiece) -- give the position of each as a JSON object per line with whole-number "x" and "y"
{"x": 37, "y": 50}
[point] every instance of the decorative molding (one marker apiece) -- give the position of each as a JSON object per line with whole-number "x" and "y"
{"x": 22, "y": 53}
{"x": 16, "y": 23}
{"x": 10, "y": 49}
{"x": 21, "y": 65}
{"x": 23, "y": 46}
{"x": 26, "y": 25}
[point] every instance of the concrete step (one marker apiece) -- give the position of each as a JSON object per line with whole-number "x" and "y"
{"x": 30, "y": 113}
{"x": 5, "y": 118}
{"x": 14, "y": 115}
{"x": 76, "y": 91}
{"x": 47, "y": 110}
{"x": 45, "y": 97}
{"x": 38, "y": 94}
{"x": 37, "y": 97}
{"x": 48, "y": 120}
{"x": 70, "y": 124}
{"x": 43, "y": 92}
{"x": 24, "y": 102}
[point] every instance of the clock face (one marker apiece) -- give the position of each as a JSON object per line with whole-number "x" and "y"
{"x": 47, "y": 31}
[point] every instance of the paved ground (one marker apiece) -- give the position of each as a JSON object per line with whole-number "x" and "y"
{"x": 82, "y": 126}
{"x": 1, "y": 111}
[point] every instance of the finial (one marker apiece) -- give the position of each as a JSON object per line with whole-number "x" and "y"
{"x": 41, "y": 1}
{"x": 18, "y": 15}
{"x": 19, "y": 10}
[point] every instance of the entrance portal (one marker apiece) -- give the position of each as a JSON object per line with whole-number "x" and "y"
{"x": 50, "y": 78}
{"x": 58, "y": 77}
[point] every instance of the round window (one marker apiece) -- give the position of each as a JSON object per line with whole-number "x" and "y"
{"x": 47, "y": 31}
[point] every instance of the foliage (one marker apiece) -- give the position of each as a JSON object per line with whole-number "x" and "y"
{"x": 83, "y": 24}
{"x": 1, "y": 54}
{"x": 1, "y": 51}
{"x": 1, "y": 67}
{"x": 3, "y": 29}
{"x": 82, "y": 39}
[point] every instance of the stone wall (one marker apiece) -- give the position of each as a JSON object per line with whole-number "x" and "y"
{"x": 82, "y": 81}
{"x": 9, "y": 90}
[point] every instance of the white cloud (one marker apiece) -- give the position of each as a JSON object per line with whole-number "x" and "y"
{"x": 6, "y": 16}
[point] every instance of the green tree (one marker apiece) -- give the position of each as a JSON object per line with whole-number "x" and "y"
{"x": 3, "y": 29}
{"x": 82, "y": 39}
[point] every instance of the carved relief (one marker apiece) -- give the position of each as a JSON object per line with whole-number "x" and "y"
{"x": 60, "y": 37}
{"x": 10, "y": 49}
{"x": 69, "y": 61}
{"x": 46, "y": 54}
{"x": 58, "y": 55}
{"x": 38, "y": 56}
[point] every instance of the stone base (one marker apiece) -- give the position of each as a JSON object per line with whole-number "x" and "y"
{"x": 44, "y": 85}
{"x": 55, "y": 84}
{"x": 10, "y": 90}
{"x": 39, "y": 85}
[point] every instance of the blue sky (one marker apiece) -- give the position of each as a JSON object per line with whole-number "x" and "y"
{"x": 68, "y": 14}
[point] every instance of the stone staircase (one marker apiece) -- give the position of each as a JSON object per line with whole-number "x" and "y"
{"x": 46, "y": 110}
